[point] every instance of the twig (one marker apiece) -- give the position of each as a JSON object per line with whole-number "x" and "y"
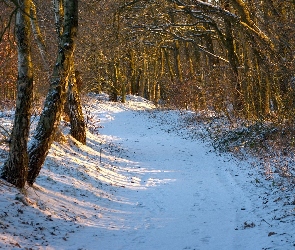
{"x": 5, "y": 130}
{"x": 266, "y": 222}
{"x": 100, "y": 151}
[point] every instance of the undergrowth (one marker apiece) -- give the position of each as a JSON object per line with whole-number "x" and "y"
{"x": 271, "y": 145}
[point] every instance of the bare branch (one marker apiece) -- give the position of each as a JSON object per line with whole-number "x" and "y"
{"x": 126, "y": 5}
{"x": 7, "y": 27}
{"x": 244, "y": 21}
{"x": 5, "y": 135}
{"x": 201, "y": 48}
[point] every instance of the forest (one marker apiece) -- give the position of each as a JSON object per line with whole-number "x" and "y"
{"x": 231, "y": 57}
{"x": 229, "y": 62}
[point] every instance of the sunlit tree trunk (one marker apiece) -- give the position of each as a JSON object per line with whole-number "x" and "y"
{"x": 131, "y": 72}
{"x": 54, "y": 102}
{"x": 189, "y": 60}
{"x": 16, "y": 166}
{"x": 177, "y": 62}
{"x": 143, "y": 79}
{"x": 114, "y": 93}
{"x": 170, "y": 69}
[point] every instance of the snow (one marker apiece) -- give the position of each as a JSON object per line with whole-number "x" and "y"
{"x": 142, "y": 183}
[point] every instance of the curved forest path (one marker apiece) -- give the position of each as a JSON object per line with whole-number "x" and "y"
{"x": 183, "y": 196}
{"x": 141, "y": 183}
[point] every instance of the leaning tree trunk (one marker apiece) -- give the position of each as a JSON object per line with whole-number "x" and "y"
{"x": 74, "y": 109}
{"x": 16, "y": 167}
{"x": 54, "y": 102}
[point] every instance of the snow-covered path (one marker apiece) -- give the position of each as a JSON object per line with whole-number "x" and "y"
{"x": 193, "y": 202}
{"x": 138, "y": 185}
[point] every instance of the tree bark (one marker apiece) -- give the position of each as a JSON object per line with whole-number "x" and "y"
{"x": 74, "y": 110}
{"x": 55, "y": 99}
{"x": 16, "y": 166}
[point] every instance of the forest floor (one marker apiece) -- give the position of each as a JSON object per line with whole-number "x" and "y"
{"x": 143, "y": 181}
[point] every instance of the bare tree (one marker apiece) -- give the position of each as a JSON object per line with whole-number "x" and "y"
{"x": 53, "y": 106}
{"x": 16, "y": 167}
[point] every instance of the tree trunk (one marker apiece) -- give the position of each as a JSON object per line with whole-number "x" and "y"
{"x": 74, "y": 110}
{"x": 114, "y": 88}
{"x": 234, "y": 63}
{"x": 177, "y": 63}
{"x": 16, "y": 167}
{"x": 171, "y": 73}
{"x": 131, "y": 72}
{"x": 232, "y": 58}
{"x": 54, "y": 102}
